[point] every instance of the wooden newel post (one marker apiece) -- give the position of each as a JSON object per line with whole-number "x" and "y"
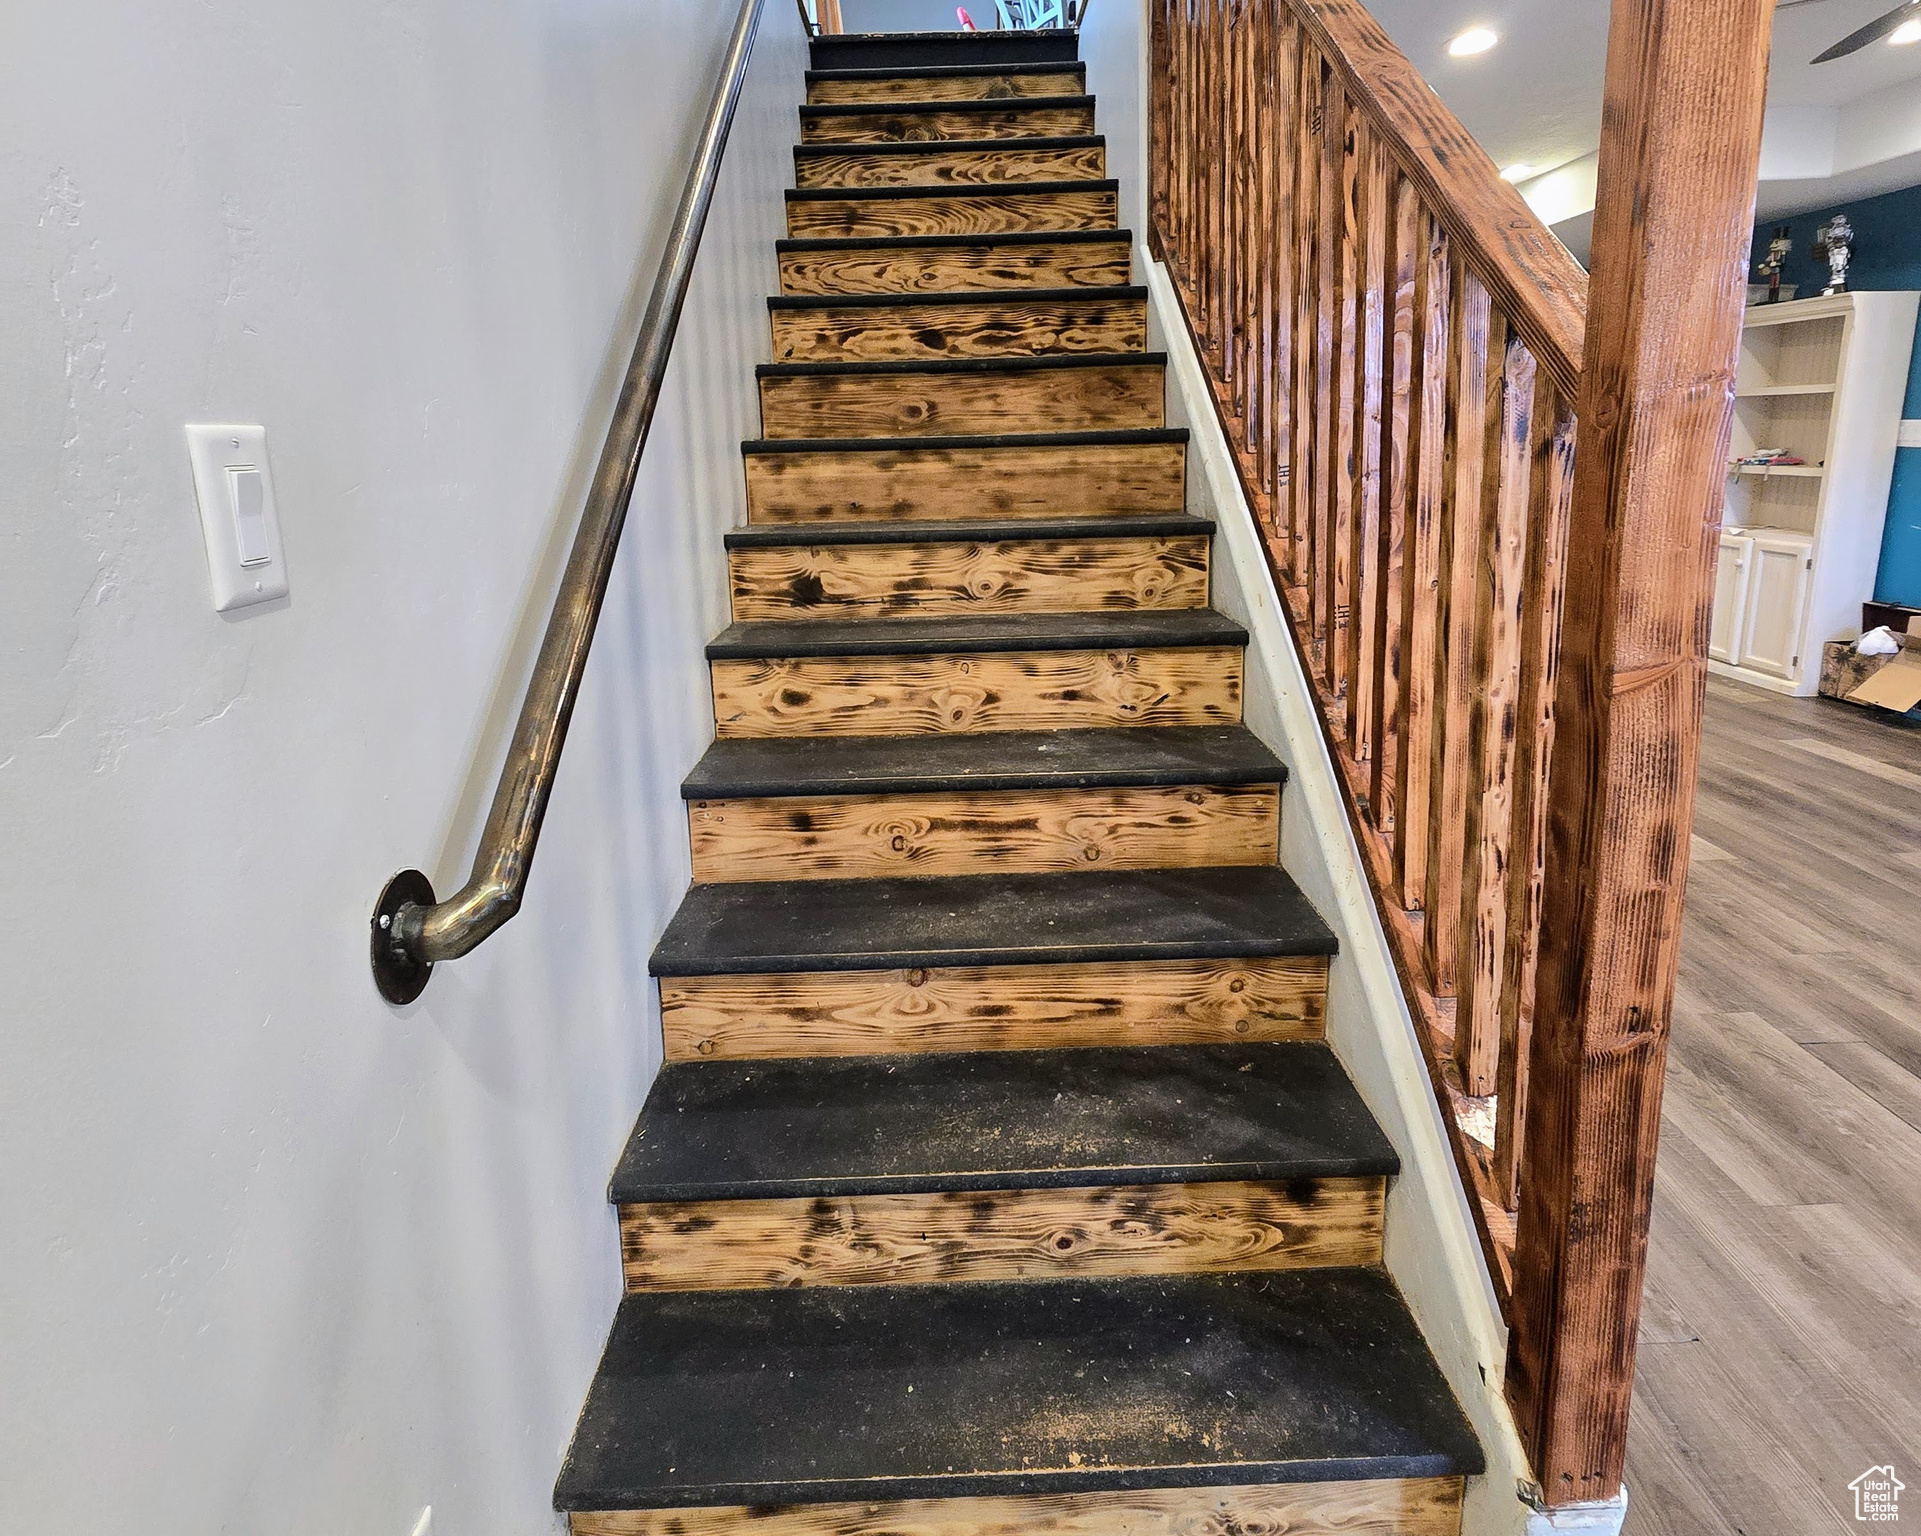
{"x": 1680, "y": 137}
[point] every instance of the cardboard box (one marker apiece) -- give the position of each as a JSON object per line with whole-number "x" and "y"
{"x": 1842, "y": 671}
{"x": 1880, "y": 682}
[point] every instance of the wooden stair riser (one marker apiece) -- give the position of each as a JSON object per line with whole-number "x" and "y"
{"x": 1429, "y": 1506}
{"x": 958, "y": 166}
{"x": 844, "y": 581}
{"x": 998, "y": 327}
{"x": 977, "y": 832}
{"x": 952, "y": 484}
{"x": 956, "y": 268}
{"x": 1068, "y": 80}
{"x": 987, "y": 212}
{"x": 986, "y": 691}
{"x": 993, "y": 1008}
{"x": 1091, "y": 398}
{"x": 1010, "y": 1234}
{"x": 912, "y": 124}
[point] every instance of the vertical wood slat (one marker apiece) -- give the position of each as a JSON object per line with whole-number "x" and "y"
{"x": 1286, "y": 76}
{"x": 1345, "y": 158}
{"x": 1421, "y": 587}
{"x": 1240, "y": 225}
{"x": 1302, "y": 476}
{"x": 1160, "y": 151}
{"x": 1323, "y": 389}
{"x": 1673, "y": 219}
{"x": 1506, "y": 492}
{"x": 1402, "y": 329}
{"x": 1464, "y": 454}
{"x": 1553, "y": 483}
{"x": 1373, "y": 218}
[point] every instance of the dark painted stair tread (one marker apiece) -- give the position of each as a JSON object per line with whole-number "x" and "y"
{"x": 779, "y": 926}
{"x": 887, "y": 51}
{"x": 830, "y": 243}
{"x": 1140, "y": 629}
{"x": 987, "y": 189}
{"x": 961, "y": 108}
{"x": 1047, "y": 363}
{"x": 763, "y": 767}
{"x": 866, "y": 1125}
{"x": 998, "y": 297}
{"x": 943, "y": 72}
{"x": 1115, "y": 437}
{"x": 872, "y": 1393}
{"x": 973, "y": 531}
{"x": 913, "y": 147}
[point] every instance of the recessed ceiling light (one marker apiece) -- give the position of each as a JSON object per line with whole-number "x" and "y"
{"x": 1907, "y": 32}
{"x": 1474, "y": 40}
{"x": 1519, "y": 172}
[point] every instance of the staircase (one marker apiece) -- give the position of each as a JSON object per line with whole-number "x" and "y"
{"x": 998, "y": 1176}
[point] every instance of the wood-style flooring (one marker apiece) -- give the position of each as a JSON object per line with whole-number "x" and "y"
{"x": 1781, "y": 1333}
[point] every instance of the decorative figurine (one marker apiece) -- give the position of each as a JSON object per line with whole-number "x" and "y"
{"x": 1835, "y": 239}
{"x": 1779, "y": 249}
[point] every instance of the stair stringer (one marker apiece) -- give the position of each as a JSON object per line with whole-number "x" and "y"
{"x": 1432, "y": 1249}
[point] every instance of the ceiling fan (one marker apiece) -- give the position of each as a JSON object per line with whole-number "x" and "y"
{"x": 1873, "y": 32}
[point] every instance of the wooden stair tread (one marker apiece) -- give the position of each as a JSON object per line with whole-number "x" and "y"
{"x": 1121, "y": 629}
{"x": 1087, "y": 917}
{"x": 975, "y": 106}
{"x": 1004, "y": 298}
{"x": 944, "y": 71}
{"x": 972, "y": 530}
{"x": 992, "y": 1120}
{"x": 768, "y": 767}
{"x": 969, "y": 190}
{"x": 960, "y": 365}
{"x": 988, "y": 240}
{"x": 892, "y": 52}
{"x": 798, "y": 1396}
{"x": 910, "y": 148}
{"x": 1098, "y": 437}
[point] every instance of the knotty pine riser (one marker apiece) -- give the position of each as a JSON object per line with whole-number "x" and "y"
{"x": 1429, "y": 1506}
{"x": 983, "y": 691}
{"x": 984, "y": 212}
{"x": 1002, "y": 326}
{"x": 957, "y": 167}
{"x": 1080, "y": 399}
{"x": 1068, "y": 80}
{"x": 908, "y": 125}
{"x": 1012, "y": 1234}
{"x": 842, "y": 581}
{"x": 993, "y": 1008}
{"x": 953, "y": 484}
{"x": 956, "y": 269}
{"x": 965, "y": 832}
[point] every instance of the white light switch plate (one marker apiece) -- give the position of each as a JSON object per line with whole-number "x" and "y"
{"x": 238, "y": 519}
{"x": 1910, "y": 435}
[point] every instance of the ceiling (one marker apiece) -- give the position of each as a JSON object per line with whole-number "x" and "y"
{"x": 1835, "y": 131}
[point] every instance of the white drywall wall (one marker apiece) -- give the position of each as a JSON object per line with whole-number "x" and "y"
{"x": 274, "y": 1256}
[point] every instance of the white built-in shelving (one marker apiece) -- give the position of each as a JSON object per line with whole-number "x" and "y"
{"x": 1821, "y": 379}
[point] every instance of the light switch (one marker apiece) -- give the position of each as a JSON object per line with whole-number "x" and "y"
{"x": 234, "y": 486}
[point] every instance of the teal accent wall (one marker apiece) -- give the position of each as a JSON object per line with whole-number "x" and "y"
{"x": 1887, "y": 254}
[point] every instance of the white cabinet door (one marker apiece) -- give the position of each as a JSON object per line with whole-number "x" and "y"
{"x": 1777, "y": 599}
{"x": 1730, "y": 597}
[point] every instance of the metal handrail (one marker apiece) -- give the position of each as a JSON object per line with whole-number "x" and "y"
{"x": 411, "y": 930}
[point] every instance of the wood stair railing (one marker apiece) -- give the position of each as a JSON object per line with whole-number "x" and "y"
{"x": 1507, "y": 641}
